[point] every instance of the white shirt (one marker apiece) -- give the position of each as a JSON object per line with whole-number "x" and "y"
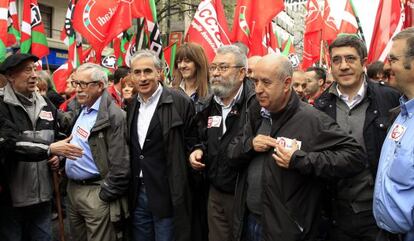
{"x": 146, "y": 111}
{"x": 225, "y": 110}
{"x": 351, "y": 103}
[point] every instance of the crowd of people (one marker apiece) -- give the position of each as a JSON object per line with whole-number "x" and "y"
{"x": 236, "y": 150}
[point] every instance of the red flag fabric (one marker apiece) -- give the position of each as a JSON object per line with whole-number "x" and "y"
{"x": 59, "y": 77}
{"x": 349, "y": 23}
{"x": 207, "y": 29}
{"x": 250, "y": 21}
{"x": 33, "y": 32}
{"x": 14, "y": 28}
{"x": 388, "y": 22}
{"x": 4, "y": 4}
{"x": 272, "y": 39}
{"x": 89, "y": 56}
{"x": 329, "y": 30}
{"x": 312, "y": 36}
{"x": 101, "y": 21}
{"x": 409, "y": 14}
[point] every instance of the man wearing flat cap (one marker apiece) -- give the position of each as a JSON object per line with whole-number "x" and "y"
{"x": 25, "y": 188}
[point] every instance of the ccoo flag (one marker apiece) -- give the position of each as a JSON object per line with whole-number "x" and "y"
{"x": 207, "y": 28}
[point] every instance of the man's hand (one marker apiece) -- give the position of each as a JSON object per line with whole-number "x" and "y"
{"x": 283, "y": 155}
{"x": 54, "y": 162}
{"x": 262, "y": 143}
{"x": 65, "y": 149}
{"x": 195, "y": 160}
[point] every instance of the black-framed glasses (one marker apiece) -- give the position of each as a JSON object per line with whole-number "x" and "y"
{"x": 349, "y": 59}
{"x": 82, "y": 84}
{"x": 222, "y": 68}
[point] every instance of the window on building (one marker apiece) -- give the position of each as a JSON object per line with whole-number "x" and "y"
{"x": 46, "y": 13}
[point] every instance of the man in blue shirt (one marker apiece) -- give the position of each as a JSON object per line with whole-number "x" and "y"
{"x": 99, "y": 179}
{"x": 394, "y": 186}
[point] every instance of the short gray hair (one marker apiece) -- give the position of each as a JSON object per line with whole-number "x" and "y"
{"x": 241, "y": 59}
{"x": 146, "y": 53}
{"x": 97, "y": 73}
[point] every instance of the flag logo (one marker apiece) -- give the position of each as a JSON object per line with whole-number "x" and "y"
{"x": 36, "y": 17}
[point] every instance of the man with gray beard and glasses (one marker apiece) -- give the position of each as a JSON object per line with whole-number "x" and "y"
{"x": 222, "y": 116}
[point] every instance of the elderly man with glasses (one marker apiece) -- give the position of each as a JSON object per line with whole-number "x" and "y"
{"x": 99, "y": 179}
{"x": 361, "y": 107}
{"x": 219, "y": 122}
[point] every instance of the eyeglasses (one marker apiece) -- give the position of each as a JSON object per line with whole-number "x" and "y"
{"x": 222, "y": 68}
{"x": 349, "y": 59}
{"x": 82, "y": 84}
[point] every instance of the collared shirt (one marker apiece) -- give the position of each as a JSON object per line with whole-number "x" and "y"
{"x": 84, "y": 167}
{"x": 225, "y": 110}
{"x": 356, "y": 99}
{"x": 193, "y": 96}
{"x": 146, "y": 111}
{"x": 394, "y": 186}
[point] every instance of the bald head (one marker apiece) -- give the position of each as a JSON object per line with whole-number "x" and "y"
{"x": 251, "y": 64}
{"x": 272, "y": 81}
{"x": 279, "y": 65}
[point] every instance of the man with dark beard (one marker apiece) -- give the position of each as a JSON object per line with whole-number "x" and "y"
{"x": 219, "y": 121}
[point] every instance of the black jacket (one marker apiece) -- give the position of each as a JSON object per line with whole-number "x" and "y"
{"x": 25, "y": 166}
{"x": 220, "y": 174}
{"x": 291, "y": 197}
{"x": 175, "y": 112}
{"x": 378, "y": 117}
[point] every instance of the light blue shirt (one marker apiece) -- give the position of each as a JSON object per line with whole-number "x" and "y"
{"x": 394, "y": 186}
{"x": 84, "y": 167}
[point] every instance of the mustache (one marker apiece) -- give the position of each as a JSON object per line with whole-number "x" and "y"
{"x": 214, "y": 79}
{"x": 82, "y": 95}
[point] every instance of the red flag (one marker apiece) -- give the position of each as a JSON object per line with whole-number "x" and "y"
{"x": 349, "y": 23}
{"x": 89, "y": 56}
{"x": 208, "y": 28}
{"x": 329, "y": 30}
{"x": 4, "y": 4}
{"x": 14, "y": 28}
{"x": 101, "y": 21}
{"x": 409, "y": 14}
{"x": 312, "y": 36}
{"x": 250, "y": 21}
{"x": 388, "y": 22}
{"x": 33, "y": 32}
{"x": 59, "y": 78}
{"x": 272, "y": 39}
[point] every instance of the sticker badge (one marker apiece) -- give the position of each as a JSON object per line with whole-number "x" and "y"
{"x": 214, "y": 121}
{"x": 397, "y": 132}
{"x": 287, "y": 143}
{"x": 82, "y": 133}
{"x": 46, "y": 115}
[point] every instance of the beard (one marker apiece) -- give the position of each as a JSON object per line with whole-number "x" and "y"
{"x": 222, "y": 88}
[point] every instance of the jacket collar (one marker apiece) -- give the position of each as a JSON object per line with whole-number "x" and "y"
{"x": 9, "y": 97}
{"x": 281, "y": 117}
{"x": 102, "y": 120}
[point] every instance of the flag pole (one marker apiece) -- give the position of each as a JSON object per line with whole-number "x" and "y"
{"x": 47, "y": 64}
{"x": 358, "y": 21}
{"x": 321, "y": 50}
